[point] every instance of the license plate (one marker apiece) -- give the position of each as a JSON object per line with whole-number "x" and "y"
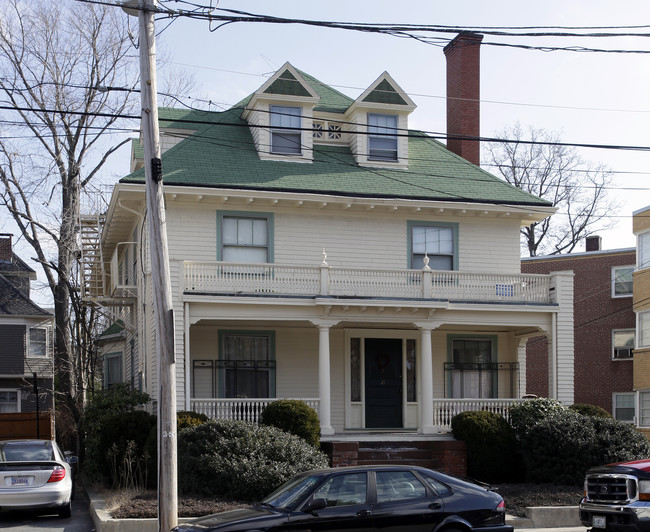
{"x": 20, "y": 481}
{"x": 598, "y": 521}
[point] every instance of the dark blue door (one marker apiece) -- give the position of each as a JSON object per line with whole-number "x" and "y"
{"x": 383, "y": 371}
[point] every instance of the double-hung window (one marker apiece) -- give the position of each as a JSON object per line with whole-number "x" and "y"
{"x": 286, "y": 137}
{"x": 623, "y": 343}
{"x": 246, "y": 365}
{"x": 472, "y": 372}
{"x": 37, "y": 342}
{"x": 622, "y": 281}
{"x": 643, "y": 250}
{"x": 382, "y": 137}
{"x": 245, "y": 238}
{"x": 112, "y": 369}
{"x": 9, "y": 401}
{"x": 624, "y": 407}
{"x": 437, "y": 242}
{"x": 644, "y": 328}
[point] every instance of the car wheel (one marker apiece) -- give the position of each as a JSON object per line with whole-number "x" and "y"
{"x": 66, "y": 510}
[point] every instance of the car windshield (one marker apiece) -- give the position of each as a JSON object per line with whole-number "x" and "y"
{"x": 25, "y": 452}
{"x": 292, "y": 492}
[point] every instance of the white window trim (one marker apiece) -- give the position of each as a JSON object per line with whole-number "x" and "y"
{"x": 633, "y": 395}
{"x": 639, "y": 316}
{"x": 645, "y": 236}
{"x": 614, "y": 346}
{"x": 387, "y": 136}
{"x": 47, "y": 343}
{"x": 274, "y": 109}
{"x": 639, "y": 416}
{"x": 614, "y": 268}
{"x": 18, "y": 396}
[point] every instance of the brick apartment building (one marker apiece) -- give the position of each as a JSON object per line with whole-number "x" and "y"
{"x": 604, "y": 322}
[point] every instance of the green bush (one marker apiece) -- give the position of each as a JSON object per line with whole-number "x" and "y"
{"x": 102, "y": 406}
{"x": 119, "y": 433}
{"x": 295, "y": 417}
{"x": 492, "y": 454}
{"x": 590, "y": 410}
{"x": 187, "y": 418}
{"x": 240, "y": 460}
{"x": 560, "y": 448}
{"x": 526, "y": 415}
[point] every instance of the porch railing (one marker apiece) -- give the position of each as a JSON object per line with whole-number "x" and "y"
{"x": 325, "y": 280}
{"x": 445, "y": 409}
{"x": 242, "y": 409}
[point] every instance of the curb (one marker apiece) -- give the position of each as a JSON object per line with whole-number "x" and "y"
{"x": 536, "y": 517}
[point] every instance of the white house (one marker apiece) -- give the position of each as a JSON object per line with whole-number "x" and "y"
{"x": 322, "y": 250}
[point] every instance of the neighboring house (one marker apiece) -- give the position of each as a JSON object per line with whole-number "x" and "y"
{"x": 321, "y": 250}
{"x": 26, "y": 333}
{"x": 641, "y": 228}
{"x": 111, "y": 344}
{"x": 604, "y": 328}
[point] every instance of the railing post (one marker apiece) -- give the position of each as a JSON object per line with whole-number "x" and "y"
{"x": 427, "y": 275}
{"x": 324, "y": 275}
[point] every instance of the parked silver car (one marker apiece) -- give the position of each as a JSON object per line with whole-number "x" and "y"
{"x": 35, "y": 475}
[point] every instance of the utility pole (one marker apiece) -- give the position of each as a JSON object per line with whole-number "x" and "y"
{"x": 161, "y": 281}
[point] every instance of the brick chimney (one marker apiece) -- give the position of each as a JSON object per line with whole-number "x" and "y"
{"x": 463, "y": 95}
{"x": 5, "y": 247}
{"x": 592, "y": 243}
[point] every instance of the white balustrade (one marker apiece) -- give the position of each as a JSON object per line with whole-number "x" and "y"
{"x": 445, "y": 409}
{"x": 242, "y": 409}
{"x": 280, "y": 279}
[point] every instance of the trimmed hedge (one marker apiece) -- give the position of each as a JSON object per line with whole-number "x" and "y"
{"x": 294, "y": 417}
{"x": 560, "y": 448}
{"x": 240, "y": 460}
{"x": 492, "y": 454}
{"x": 526, "y": 415}
{"x": 590, "y": 410}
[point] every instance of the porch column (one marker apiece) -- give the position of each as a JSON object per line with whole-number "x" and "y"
{"x": 426, "y": 380}
{"x": 324, "y": 385}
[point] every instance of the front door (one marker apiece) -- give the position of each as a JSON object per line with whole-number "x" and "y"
{"x": 383, "y": 361}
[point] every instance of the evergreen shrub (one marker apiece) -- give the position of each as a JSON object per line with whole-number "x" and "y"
{"x": 590, "y": 410}
{"x": 295, "y": 417}
{"x": 524, "y": 416}
{"x": 492, "y": 454}
{"x": 241, "y": 460}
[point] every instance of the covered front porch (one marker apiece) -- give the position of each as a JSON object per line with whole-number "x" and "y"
{"x": 388, "y": 351}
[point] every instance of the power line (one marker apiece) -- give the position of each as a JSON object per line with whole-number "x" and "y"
{"x": 408, "y": 31}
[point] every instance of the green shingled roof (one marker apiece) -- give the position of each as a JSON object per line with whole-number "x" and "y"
{"x": 384, "y": 92}
{"x": 222, "y": 154}
{"x": 287, "y": 84}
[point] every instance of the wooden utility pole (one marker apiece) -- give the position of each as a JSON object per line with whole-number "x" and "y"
{"x": 161, "y": 282}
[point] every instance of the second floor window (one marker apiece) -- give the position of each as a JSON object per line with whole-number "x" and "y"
{"x": 622, "y": 281}
{"x": 623, "y": 343}
{"x": 286, "y": 137}
{"x": 244, "y": 239}
{"x": 436, "y": 242}
{"x": 382, "y": 137}
{"x": 644, "y": 328}
{"x": 37, "y": 342}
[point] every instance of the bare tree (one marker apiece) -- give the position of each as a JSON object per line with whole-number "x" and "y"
{"x": 537, "y": 164}
{"x": 57, "y": 60}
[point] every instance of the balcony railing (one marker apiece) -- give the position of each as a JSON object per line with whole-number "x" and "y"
{"x": 324, "y": 280}
{"x": 443, "y": 409}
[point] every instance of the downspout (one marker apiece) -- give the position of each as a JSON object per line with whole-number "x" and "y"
{"x": 186, "y": 319}
{"x": 553, "y": 391}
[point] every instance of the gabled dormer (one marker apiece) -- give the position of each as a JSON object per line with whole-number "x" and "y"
{"x": 378, "y": 122}
{"x": 280, "y": 116}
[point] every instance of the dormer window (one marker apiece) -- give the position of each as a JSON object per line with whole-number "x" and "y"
{"x": 382, "y": 137}
{"x": 286, "y": 137}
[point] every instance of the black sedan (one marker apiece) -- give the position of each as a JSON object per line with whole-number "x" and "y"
{"x": 369, "y": 498}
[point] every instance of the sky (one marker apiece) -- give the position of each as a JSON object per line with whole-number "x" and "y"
{"x": 587, "y": 97}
